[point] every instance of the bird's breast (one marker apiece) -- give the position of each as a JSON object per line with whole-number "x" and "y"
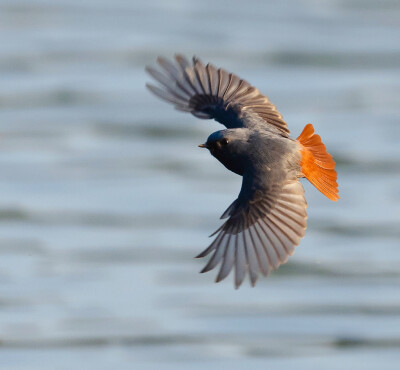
{"x": 234, "y": 163}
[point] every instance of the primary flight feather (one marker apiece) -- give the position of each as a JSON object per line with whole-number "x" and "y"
{"x": 268, "y": 219}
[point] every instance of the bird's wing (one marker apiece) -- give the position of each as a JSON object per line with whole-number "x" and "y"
{"x": 208, "y": 92}
{"x": 261, "y": 232}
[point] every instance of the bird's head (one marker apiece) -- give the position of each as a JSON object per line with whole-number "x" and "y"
{"x": 230, "y": 147}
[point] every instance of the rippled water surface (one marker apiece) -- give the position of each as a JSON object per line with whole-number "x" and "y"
{"x": 105, "y": 197}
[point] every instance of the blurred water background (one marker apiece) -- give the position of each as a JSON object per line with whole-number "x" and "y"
{"x": 105, "y": 198}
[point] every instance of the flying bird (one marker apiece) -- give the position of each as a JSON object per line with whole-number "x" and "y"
{"x": 268, "y": 219}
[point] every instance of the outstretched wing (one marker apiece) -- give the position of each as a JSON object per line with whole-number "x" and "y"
{"x": 208, "y": 92}
{"x": 261, "y": 232}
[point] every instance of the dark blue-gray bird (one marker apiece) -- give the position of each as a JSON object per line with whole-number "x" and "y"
{"x": 269, "y": 217}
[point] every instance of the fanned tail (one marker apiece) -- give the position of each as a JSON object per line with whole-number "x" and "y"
{"x": 317, "y": 164}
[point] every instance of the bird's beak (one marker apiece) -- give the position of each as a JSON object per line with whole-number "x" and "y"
{"x": 203, "y": 146}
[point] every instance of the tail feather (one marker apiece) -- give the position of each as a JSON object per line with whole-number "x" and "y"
{"x": 317, "y": 164}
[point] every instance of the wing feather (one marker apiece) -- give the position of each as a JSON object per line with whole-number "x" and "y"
{"x": 240, "y": 261}
{"x": 228, "y": 258}
{"x": 218, "y": 253}
{"x": 211, "y": 93}
{"x": 269, "y": 243}
{"x": 261, "y": 232}
{"x": 212, "y": 79}
{"x": 201, "y": 75}
{"x": 260, "y": 250}
{"x": 168, "y": 96}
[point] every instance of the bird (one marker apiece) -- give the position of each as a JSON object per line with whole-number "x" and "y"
{"x": 269, "y": 218}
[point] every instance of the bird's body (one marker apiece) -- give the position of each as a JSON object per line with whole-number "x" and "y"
{"x": 256, "y": 151}
{"x": 268, "y": 218}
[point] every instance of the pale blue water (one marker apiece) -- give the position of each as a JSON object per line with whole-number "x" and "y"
{"x": 105, "y": 197}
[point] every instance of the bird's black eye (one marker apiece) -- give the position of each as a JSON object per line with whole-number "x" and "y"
{"x": 224, "y": 141}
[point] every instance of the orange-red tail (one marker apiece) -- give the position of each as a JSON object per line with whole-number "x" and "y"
{"x": 317, "y": 164}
